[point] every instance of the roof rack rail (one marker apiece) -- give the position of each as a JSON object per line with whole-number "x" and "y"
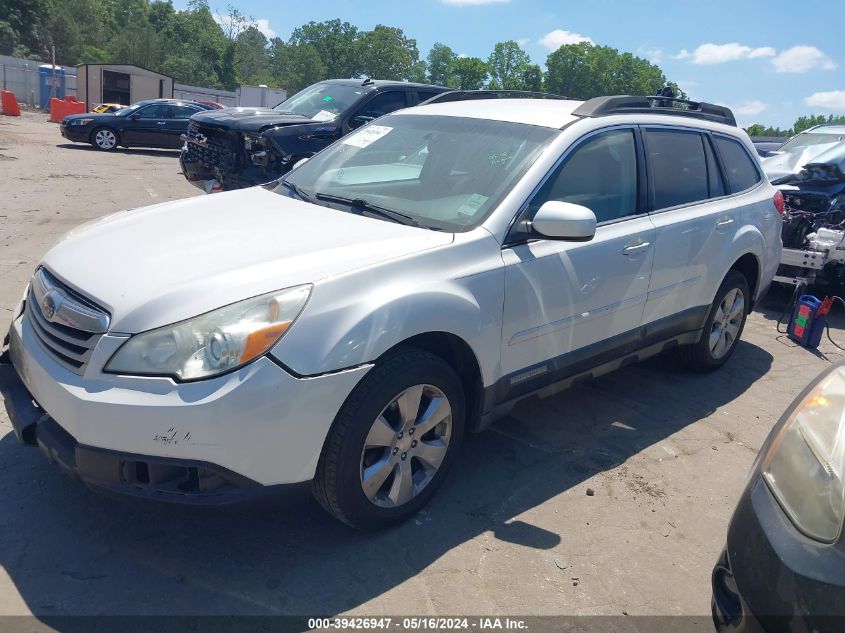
{"x": 468, "y": 95}
{"x": 604, "y": 106}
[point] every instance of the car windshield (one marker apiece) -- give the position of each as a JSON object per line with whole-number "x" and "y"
{"x": 810, "y": 138}
{"x": 443, "y": 172}
{"x": 129, "y": 109}
{"x": 323, "y": 101}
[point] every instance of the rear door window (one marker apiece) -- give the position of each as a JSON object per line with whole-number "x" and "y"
{"x": 182, "y": 112}
{"x": 384, "y": 103}
{"x": 740, "y": 169}
{"x": 678, "y": 167}
{"x": 714, "y": 174}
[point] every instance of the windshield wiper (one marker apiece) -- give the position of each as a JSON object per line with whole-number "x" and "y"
{"x": 362, "y": 205}
{"x": 300, "y": 194}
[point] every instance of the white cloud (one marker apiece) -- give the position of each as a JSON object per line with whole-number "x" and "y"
{"x": 721, "y": 53}
{"x": 557, "y": 38}
{"x": 750, "y": 108}
{"x": 262, "y": 24}
{"x": 833, "y": 100}
{"x": 800, "y": 59}
{"x": 654, "y": 54}
{"x": 462, "y": 55}
{"x": 523, "y": 41}
{"x": 472, "y": 3}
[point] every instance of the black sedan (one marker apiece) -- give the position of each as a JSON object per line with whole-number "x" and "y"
{"x": 157, "y": 123}
{"x": 784, "y": 565}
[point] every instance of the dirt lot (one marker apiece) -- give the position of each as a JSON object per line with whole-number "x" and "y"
{"x": 512, "y": 532}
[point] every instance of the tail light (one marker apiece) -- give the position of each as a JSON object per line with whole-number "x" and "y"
{"x": 780, "y": 205}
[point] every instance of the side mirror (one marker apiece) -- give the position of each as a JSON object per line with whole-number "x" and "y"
{"x": 301, "y": 161}
{"x": 564, "y": 221}
{"x": 134, "y": 117}
{"x": 358, "y": 121}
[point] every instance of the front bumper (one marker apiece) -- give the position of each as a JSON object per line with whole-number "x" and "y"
{"x": 128, "y": 474}
{"x": 196, "y": 173}
{"x": 76, "y": 133}
{"x": 256, "y": 426}
{"x": 773, "y": 578}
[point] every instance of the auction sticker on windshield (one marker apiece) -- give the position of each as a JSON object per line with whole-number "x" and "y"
{"x": 324, "y": 115}
{"x": 367, "y": 136}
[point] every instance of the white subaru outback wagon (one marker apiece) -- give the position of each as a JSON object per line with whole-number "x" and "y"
{"x": 340, "y": 330}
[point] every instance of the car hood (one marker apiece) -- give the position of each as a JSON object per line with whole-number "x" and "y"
{"x": 97, "y": 116}
{"x": 165, "y": 263}
{"x": 248, "y": 119}
{"x": 786, "y": 163}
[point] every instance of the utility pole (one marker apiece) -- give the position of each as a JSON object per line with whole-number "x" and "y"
{"x": 55, "y": 79}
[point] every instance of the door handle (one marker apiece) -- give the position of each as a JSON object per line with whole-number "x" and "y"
{"x": 636, "y": 248}
{"x": 724, "y": 222}
{"x": 161, "y": 122}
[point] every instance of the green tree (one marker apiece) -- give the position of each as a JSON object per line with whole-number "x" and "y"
{"x": 532, "y": 78}
{"x": 23, "y": 27}
{"x": 334, "y": 42}
{"x": 806, "y": 122}
{"x": 469, "y": 73}
{"x": 251, "y": 56}
{"x": 507, "y": 64}
{"x": 418, "y": 72}
{"x": 759, "y": 129}
{"x": 386, "y": 53}
{"x": 295, "y": 66}
{"x": 440, "y": 60}
{"x": 583, "y": 71}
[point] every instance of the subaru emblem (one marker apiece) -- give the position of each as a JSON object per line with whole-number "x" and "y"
{"x": 50, "y": 305}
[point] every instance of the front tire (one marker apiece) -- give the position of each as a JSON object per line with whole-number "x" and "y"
{"x": 723, "y": 327}
{"x": 392, "y": 442}
{"x": 104, "y": 139}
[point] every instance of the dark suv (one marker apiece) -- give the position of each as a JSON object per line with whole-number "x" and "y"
{"x": 241, "y": 147}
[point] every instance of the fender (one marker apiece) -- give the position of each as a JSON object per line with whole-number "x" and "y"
{"x": 748, "y": 240}
{"x": 353, "y": 319}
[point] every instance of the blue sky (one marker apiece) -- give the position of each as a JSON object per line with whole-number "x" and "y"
{"x": 771, "y": 61}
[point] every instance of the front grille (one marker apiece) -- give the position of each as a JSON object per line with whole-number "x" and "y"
{"x": 65, "y": 323}
{"x": 209, "y": 148}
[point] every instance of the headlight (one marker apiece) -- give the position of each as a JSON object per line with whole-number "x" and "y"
{"x": 81, "y": 121}
{"x": 214, "y": 342}
{"x": 804, "y": 464}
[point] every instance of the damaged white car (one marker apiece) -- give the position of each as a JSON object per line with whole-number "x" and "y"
{"x": 339, "y": 331}
{"x": 810, "y": 171}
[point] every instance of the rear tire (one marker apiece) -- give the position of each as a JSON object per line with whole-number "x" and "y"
{"x": 104, "y": 139}
{"x": 392, "y": 441}
{"x": 723, "y": 327}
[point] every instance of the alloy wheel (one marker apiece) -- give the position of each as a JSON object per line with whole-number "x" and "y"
{"x": 726, "y": 323}
{"x": 105, "y": 139}
{"x": 406, "y": 445}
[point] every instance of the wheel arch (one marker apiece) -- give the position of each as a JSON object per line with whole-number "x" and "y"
{"x": 458, "y": 354}
{"x": 749, "y": 266}
{"x": 747, "y": 255}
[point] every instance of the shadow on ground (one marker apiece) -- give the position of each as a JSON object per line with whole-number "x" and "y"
{"x": 69, "y": 551}
{"x": 160, "y": 152}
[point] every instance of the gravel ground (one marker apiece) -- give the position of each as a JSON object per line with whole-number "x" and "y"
{"x": 513, "y": 531}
